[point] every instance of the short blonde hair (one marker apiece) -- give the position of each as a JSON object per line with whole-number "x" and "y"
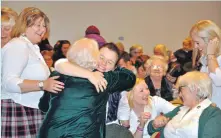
{"x": 120, "y": 45}
{"x": 135, "y": 47}
{"x": 197, "y": 80}
{"x": 157, "y": 57}
{"x": 163, "y": 50}
{"x": 27, "y": 19}
{"x": 8, "y": 16}
{"x": 188, "y": 42}
{"x": 84, "y": 53}
{"x": 207, "y": 30}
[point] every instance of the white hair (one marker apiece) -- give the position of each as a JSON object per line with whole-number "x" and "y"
{"x": 84, "y": 53}
{"x": 198, "y": 81}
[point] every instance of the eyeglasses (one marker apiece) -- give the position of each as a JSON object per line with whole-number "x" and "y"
{"x": 157, "y": 67}
{"x": 108, "y": 62}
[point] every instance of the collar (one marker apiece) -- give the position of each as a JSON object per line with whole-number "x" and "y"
{"x": 36, "y": 47}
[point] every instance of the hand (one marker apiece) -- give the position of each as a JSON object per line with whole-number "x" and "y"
{"x": 98, "y": 80}
{"x": 160, "y": 121}
{"x": 52, "y": 85}
{"x": 213, "y": 46}
{"x": 125, "y": 123}
{"x": 144, "y": 117}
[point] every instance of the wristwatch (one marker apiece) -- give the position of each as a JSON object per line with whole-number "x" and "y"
{"x": 41, "y": 85}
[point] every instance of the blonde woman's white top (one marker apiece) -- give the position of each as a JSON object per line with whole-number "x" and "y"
{"x": 185, "y": 124}
{"x": 22, "y": 60}
{"x": 158, "y": 105}
{"x": 216, "y": 79}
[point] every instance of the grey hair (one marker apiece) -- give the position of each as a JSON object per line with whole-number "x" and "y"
{"x": 84, "y": 53}
{"x": 197, "y": 81}
{"x": 157, "y": 57}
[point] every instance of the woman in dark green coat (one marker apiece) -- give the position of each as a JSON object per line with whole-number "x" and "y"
{"x": 79, "y": 111}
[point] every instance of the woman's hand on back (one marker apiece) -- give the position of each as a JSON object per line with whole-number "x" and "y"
{"x": 52, "y": 85}
{"x": 98, "y": 80}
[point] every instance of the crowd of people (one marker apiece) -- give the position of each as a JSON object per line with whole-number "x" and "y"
{"x": 93, "y": 88}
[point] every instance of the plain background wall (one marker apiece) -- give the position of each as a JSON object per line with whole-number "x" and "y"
{"x": 146, "y": 23}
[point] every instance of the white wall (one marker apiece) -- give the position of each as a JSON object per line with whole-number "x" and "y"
{"x": 145, "y": 23}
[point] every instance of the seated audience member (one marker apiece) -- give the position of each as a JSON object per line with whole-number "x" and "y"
{"x": 60, "y": 50}
{"x": 45, "y": 45}
{"x": 184, "y": 55}
{"x": 125, "y": 62}
{"x": 139, "y": 65}
{"x": 156, "y": 81}
{"x": 8, "y": 19}
{"x": 120, "y": 46}
{"x": 139, "y": 108}
{"x": 197, "y": 118}
{"x": 47, "y": 55}
{"x": 79, "y": 109}
{"x": 206, "y": 36}
{"x": 93, "y": 32}
{"x": 174, "y": 69}
{"x": 161, "y": 50}
{"x": 117, "y": 131}
{"x": 135, "y": 51}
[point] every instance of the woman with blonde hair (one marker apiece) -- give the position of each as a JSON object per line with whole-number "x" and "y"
{"x": 197, "y": 118}
{"x": 161, "y": 50}
{"x": 137, "y": 108}
{"x": 206, "y": 36}
{"x": 8, "y": 19}
{"x": 25, "y": 76}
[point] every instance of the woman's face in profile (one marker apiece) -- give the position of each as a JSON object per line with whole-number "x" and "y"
{"x": 198, "y": 42}
{"x": 36, "y": 32}
{"x": 107, "y": 60}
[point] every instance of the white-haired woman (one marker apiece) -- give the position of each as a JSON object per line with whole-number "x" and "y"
{"x": 137, "y": 108}
{"x": 156, "y": 67}
{"x": 197, "y": 118}
{"x": 79, "y": 111}
{"x": 206, "y": 36}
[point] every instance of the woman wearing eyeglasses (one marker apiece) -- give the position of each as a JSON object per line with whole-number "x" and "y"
{"x": 156, "y": 81}
{"x": 197, "y": 118}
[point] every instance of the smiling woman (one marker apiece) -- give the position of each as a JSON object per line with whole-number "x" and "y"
{"x": 25, "y": 76}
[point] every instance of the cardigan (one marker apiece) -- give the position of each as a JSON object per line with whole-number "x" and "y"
{"x": 209, "y": 123}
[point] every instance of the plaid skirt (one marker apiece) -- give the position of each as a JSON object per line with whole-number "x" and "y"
{"x": 18, "y": 121}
